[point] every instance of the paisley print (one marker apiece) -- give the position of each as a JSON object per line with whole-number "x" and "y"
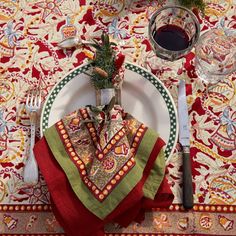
{"x": 222, "y": 190}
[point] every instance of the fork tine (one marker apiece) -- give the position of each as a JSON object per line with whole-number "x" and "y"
{"x": 28, "y": 99}
{"x": 35, "y": 98}
{"x": 39, "y": 98}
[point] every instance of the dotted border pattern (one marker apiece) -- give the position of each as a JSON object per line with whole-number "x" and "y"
{"x": 174, "y": 207}
{"x": 147, "y": 75}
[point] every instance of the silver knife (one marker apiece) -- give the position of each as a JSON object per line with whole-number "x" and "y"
{"x": 184, "y": 139}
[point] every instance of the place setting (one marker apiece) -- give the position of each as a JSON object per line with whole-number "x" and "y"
{"x": 103, "y": 137}
{"x": 93, "y": 126}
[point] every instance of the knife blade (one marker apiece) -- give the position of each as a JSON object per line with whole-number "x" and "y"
{"x": 184, "y": 139}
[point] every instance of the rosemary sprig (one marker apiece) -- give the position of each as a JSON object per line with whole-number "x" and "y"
{"x": 104, "y": 61}
{"x": 193, "y": 3}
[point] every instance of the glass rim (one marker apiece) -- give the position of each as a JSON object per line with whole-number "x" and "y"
{"x": 154, "y": 15}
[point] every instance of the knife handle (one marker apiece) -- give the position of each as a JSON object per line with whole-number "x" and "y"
{"x": 187, "y": 180}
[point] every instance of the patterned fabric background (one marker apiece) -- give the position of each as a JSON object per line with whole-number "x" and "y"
{"x": 29, "y": 57}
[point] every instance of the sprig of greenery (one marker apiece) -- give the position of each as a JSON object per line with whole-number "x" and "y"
{"x": 193, "y": 3}
{"x": 105, "y": 61}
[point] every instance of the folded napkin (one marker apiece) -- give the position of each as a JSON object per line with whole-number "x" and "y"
{"x": 102, "y": 166}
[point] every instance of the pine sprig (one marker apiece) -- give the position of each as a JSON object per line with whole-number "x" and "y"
{"x": 104, "y": 61}
{"x": 193, "y": 3}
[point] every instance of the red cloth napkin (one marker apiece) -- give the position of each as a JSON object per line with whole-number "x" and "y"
{"x": 75, "y": 218}
{"x": 102, "y": 165}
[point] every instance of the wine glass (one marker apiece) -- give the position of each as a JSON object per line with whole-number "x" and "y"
{"x": 215, "y": 55}
{"x": 173, "y": 32}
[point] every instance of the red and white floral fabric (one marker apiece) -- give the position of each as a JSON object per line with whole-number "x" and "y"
{"x": 29, "y": 33}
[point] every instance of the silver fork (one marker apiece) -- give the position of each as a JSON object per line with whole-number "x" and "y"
{"x": 33, "y": 102}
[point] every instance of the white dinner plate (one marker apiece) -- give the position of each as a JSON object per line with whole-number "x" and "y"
{"x": 143, "y": 96}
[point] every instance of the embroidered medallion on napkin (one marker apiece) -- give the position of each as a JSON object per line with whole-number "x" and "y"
{"x": 110, "y": 161}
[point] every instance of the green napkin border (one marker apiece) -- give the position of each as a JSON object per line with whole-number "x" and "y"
{"x": 101, "y": 210}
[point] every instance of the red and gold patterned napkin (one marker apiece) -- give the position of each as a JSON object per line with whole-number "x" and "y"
{"x": 102, "y": 167}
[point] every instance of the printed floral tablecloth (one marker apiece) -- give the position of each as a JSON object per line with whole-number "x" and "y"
{"x": 29, "y": 57}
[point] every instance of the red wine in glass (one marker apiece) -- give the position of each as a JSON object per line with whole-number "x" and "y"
{"x": 172, "y": 37}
